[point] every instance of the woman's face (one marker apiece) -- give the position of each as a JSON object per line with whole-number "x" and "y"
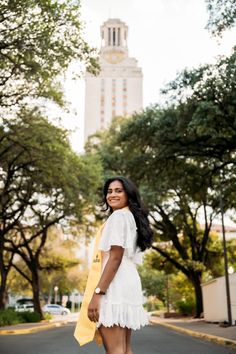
{"x": 116, "y": 196}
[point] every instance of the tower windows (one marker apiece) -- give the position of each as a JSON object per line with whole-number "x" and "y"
{"x": 102, "y": 85}
{"x": 103, "y": 38}
{"x": 109, "y": 36}
{"x": 113, "y": 98}
{"x": 118, "y": 36}
{"x": 114, "y": 36}
{"x": 125, "y": 38}
{"x": 102, "y": 103}
{"x": 124, "y": 96}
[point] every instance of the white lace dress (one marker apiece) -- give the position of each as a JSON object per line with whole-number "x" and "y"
{"x": 123, "y": 302}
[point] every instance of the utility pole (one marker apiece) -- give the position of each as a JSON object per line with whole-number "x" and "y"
{"x": 225, "y": 259}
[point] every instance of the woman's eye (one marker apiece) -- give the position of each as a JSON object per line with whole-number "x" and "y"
{"x": 116, "y": 191}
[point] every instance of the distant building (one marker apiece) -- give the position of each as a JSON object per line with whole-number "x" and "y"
{"x": 117, "y": 90}
{"x": 230, "y": 231}
{"x": 214, "y": 299}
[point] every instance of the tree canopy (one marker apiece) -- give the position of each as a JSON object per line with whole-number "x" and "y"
{"x": 38, "y": 40}
{"x": 222, "y": 15}
{"x": 43, "y": 182}
{"x": 177, "y": 154}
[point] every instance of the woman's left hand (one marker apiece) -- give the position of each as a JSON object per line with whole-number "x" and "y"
{"x": 93, "y": 308}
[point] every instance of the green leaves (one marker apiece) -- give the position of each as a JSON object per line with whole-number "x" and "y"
{"x": 38, "y": 41}
{"x": 175, "y": 154}
{"x": 43, "y": 183}
{"x": 222, "y": 15}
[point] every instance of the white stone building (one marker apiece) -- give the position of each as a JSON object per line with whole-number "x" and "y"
{"x": 215, "y": 302}
{"x": 117, "y": 90}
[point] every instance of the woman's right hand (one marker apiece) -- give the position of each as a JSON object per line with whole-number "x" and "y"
{"x": 93, "y": 308}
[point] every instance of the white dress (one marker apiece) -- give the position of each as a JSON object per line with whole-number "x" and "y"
{"x": 123, "y": 302}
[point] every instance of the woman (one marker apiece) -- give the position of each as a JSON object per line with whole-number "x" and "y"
{"x": 116, "y": 304}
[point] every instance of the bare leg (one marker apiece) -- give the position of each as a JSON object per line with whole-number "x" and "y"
{"x": 128, "y": 341}
{"x": 114, "y": 339}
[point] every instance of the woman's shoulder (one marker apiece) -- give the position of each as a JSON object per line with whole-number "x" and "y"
{"x": 122, "y": 215}
{"x": 123, "y": 212}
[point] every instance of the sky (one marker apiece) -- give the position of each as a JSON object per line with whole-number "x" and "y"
{"x": 165, "y": 36}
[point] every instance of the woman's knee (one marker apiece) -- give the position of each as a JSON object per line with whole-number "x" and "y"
{"x": 114, "y": 339}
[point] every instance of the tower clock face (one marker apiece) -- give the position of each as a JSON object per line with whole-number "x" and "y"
{"x": 114, "y": 56}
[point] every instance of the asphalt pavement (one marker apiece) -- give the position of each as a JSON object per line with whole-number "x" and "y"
{"x": 153, "y": 339}
{"x": 225, "y": 336}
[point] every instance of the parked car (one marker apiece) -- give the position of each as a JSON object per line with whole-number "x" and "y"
{"x": 24, "y": 307}
{"x": 55, "y": 309}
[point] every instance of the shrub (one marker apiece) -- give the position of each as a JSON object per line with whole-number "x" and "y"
{"x": 27, "y": 316}
{"x": 47, "y": 316}
{"x": 185, "y": 307}
{"x": 9, "y": 317}
{"x": 152, "y": 305}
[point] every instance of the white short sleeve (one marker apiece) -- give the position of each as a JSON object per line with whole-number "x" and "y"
{"x": 119, "y": 230}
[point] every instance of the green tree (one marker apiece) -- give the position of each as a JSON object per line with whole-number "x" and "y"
{"x": 222, "y": 15}
{"x": 232, "y": 252}
{"x": 60, "y": 265}
{"x": 174, "y": 189}
{"x": 176, "y": 154}
{"x": 43, "y": 183}
{"x": 154, "y": 283}
{"x": 204, "y": 107}
{"x": 161, "y": 280}
{"x": 38, "y": 40}
{"x": 16, "y": 284}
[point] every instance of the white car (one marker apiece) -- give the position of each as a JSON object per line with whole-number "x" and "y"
{"x": 25, "y": 308}
{"x": 55, "y": 309}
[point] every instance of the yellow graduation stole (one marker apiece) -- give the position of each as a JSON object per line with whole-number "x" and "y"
{"x": 85, "y": 329}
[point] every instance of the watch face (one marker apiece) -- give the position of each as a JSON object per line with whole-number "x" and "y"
{"x": 114, "y": 56}
{"x": 97, "y": 290}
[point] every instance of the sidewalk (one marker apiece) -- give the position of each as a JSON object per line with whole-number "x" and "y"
{"x": 26, "y": 328}
{"x": 199, "y": 328}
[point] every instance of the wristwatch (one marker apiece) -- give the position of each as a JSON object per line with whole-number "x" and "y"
{"x": 99, "y": 291}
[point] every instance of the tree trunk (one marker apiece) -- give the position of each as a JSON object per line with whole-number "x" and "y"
{"x": 3, "y": 295}
{"x": 4, "y": 272}
{"x": 196, "y": 281}
{"x": 36, "y": 289}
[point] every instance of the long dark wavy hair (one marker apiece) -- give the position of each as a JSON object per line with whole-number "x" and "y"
{"x": 136, "y": 207}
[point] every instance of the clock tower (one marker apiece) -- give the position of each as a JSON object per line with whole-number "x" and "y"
{"x": 114, "y": 41}
{"x": 117, "y": 90}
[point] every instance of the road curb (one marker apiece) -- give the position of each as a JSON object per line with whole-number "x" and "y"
{"x": 32, "y": 329}
{"x": 209, "y": 337}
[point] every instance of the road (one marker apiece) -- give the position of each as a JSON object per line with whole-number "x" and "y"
{"x": 150, "y": 340}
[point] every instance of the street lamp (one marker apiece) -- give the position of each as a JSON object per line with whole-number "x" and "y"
{"x": 56, "y": 292}
{"x": 230, "y": 270}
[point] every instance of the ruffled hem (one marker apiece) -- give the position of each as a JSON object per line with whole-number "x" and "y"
{"x": 126, "y": 315}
